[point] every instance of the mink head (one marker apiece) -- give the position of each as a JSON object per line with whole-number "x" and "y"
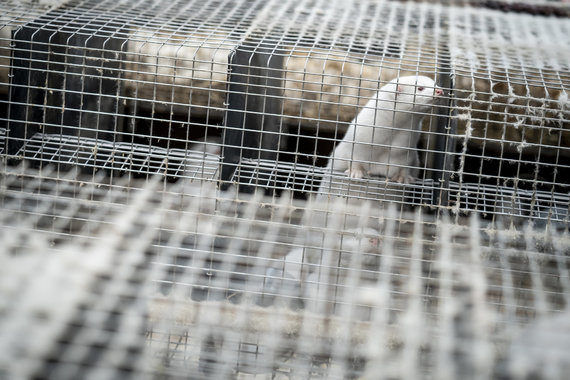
{"x": 361, "y": 239}
{"x": 415, "y": 93}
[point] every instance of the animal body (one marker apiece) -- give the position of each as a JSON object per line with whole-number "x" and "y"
{"x": 383, "y": 137}
{"x": 302, "y": 268}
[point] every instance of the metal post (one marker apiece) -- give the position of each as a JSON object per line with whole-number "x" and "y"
{"x": 253, "y": 122}
{"x": 445, "y": 142}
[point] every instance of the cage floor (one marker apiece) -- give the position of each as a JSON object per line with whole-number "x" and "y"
{"x": 140, "y": 160}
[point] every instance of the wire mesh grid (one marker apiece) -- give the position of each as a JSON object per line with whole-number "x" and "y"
{"x": 2, "y": 139}
{"x": 273, "y": 87}
{"x": 164, "y": 281}
{"x": 139, "y": 244}
{"x": 119, "y": 157}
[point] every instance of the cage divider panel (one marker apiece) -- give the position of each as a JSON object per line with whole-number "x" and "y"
{"x": 65, "y": 82}
{"x": 252, "y": 123}
{"x": 28, "y": 65}
{"x": 446, "y": 128}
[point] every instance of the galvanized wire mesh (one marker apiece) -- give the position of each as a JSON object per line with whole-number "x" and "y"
{"x": 159, "y": 280}
{"x": 281, "y": 81}
{"x": 168, "y": 209}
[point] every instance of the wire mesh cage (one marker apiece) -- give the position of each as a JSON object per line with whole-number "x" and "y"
{"x": 288, "y": 95}
{"x": 284, "y": 189}
{"x": 147, "y": 283}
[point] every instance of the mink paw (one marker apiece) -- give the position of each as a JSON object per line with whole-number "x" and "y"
{"x": 402, "y": 177}
{"x": 355, "y": 173}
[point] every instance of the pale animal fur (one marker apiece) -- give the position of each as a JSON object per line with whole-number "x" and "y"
{"x": 301, "y": 271}
{"x": 365, "y": 241}
{"x": 382, "y": 139}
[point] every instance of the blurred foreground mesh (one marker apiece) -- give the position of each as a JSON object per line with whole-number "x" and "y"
{"x": 149, "y": 279}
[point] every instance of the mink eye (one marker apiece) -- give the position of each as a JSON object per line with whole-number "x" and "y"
{"x": 420, "y": 88}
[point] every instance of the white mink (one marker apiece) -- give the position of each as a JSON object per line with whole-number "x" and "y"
{"x": 363, "y": 240}
{"x": 383, "y": 137}
{"x": 299, "y": 271}
{"x": 359, "y": 249}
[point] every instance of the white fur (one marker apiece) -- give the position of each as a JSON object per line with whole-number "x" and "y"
{"x": 358, "y": 249}
{"x": 383, "y": 137}
{"x": 299, "y": 261}
{"x": 301, "y": 271}
{"x": 364, "y": 240}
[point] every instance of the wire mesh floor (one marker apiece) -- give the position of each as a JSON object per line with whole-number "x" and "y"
{"x": 150, "y": 279}
{"x": 143, "y": 160}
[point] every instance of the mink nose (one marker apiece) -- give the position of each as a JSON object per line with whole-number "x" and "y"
{"x": 438, "y": 91}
